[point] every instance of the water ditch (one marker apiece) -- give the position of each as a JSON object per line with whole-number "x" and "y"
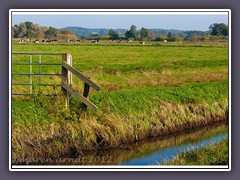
{"x": 147, "y": 152}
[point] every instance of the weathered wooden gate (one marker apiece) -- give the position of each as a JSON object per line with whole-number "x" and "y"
{"x": 66, "y": 77}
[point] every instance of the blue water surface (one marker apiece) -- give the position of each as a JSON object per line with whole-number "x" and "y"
{"x": 169, "y": 153}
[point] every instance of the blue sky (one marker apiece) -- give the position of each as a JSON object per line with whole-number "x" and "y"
{"x": 180, "y": 22}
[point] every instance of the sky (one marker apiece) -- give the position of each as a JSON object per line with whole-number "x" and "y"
{"x": 169, "y": 21}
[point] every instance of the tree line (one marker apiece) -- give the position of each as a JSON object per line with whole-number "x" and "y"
{"x": 217, "y": 31}
{"x": 30, "y": 30}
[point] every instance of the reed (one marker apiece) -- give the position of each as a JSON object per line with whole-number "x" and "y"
{"x": 215, "y": 154}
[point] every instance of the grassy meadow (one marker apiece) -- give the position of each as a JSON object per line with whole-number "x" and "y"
{"x": 145, "y": 91}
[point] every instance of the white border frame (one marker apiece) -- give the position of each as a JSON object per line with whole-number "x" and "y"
{"x": 117, "y": 12}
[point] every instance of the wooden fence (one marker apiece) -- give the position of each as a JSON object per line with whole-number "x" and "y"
{"x": 66, "y": 78}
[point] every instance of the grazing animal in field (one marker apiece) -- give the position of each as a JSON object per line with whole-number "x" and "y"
{"x": 51, "y": 40}
{"x": 165, "y": 41}
{"x": 78, "y": 40}
{"x": 142, "y": 42}
{"x": 54, "y": 40}
{"x": 36, "y": 41}
{"x": 94, "y": 41}
{"x": 69, "y": 40}
{"x": 21, "y": 41}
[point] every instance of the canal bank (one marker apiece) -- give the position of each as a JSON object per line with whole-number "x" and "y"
{"x": 146, "y": 152}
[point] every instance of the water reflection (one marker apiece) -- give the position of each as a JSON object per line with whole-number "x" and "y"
{"x": 169, "y": 153}
{"x": 148, "y": 152}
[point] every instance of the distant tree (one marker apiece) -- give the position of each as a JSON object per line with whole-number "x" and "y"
{"x": 182, "y": 35}
{"x": 29, "y": 25}
{"x": 170, "y": 37}
{"x": 66, "y": 34}
{"x": 22, "y": 30}
{"x": 83, "y": 37}
{"x": 194, "y": 38}
{"x": 161, "y": 38}
{"x": 132, "y": 33}
{"x": 144, "y": 33}
{"x": 158, "y": 38}
{"x": 30, "y": 30}
{"x": 105, "y": 37}
{"x": 94, "y": 36}
{"x": 15, "y": 31}
{"x": 51, "y": 33}
{"x": 190, "y": 34}
{"x": 151, "y": 36}
{"x": 217, "y": 29}
{"x": 113, "y": 34}
{"x": 30, "y": 33}
{"x": 178, "y": 38}
{"x": 39, "y": 31}
{"x": 207, "y": 37}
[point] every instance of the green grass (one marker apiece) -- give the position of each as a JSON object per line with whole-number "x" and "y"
{"x": 215, "y": 154}
{"x": 87, "y": 57}
{"x": 142, "y": 100}
{"x": 27, "y": 112}
{"x": 145, "y": 91}
{"x": 130, "y": 67}
{"x": 41, "y": 109}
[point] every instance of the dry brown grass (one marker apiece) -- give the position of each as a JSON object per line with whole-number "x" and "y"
{"x": 163, "y": 78}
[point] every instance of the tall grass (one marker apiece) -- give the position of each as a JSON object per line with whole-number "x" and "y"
{"x": 138, "y": 149}
{"x": 215, "y": 154}
{"x": 58, "y": 131}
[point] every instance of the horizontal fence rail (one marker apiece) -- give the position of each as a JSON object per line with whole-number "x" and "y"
{"x": 66, "y": 77}
{"x": 32, "y": 74}
{"x": 26, "y": 63}
{"x": 81, "y": 76}
{"x": 28, "y": 84}
{"x": 79, "y": 96}
{"x": 37, "y": 53}
{"x": 36, "y": 74}
{"x": 67, "y": 71}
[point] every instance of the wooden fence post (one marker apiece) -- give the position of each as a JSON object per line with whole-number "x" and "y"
{"x": 66, "y": 77}
{"x": 85, "y": 94}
